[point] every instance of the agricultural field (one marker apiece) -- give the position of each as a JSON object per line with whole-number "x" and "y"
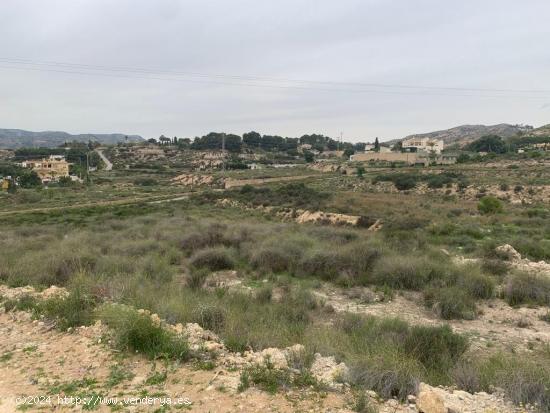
{"x": 357, "y": 288}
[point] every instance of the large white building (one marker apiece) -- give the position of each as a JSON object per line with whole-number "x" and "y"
{"x": 424, "y": 144}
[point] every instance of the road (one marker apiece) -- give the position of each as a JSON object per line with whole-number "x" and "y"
{"x": 108, "y": 164}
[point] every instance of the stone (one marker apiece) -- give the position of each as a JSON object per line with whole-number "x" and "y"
{"x": 428, "y": 401}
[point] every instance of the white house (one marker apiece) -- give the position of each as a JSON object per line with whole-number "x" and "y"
{"x": 424, "y": 144}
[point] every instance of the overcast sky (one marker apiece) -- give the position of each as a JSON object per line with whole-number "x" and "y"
{"x": 285, "y": 67}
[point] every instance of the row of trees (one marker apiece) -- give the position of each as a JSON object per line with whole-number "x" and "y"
{"x": 252, "y": 140}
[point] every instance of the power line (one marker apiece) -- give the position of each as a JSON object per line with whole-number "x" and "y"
{"x": 260, "y": 78}
{"x": 149, "y": 74}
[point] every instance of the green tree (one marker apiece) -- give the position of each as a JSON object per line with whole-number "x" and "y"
{"x": 65, "y": 181}
{"x": 163, "y": 140}
{"x": 348, "y": 152}
{"x": 308, "y": 156}
{"x": 376, "y": 145}
{"x": 253, "y": 139}
{"x": 488, "y": 143}
{"x": 29, "y": 179}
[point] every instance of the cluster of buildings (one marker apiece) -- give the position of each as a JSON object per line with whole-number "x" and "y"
{"x": 413, "y": 151}
{"x": 49, "y": 169}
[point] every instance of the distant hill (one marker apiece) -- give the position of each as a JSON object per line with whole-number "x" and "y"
{"x": 17, "y": 138}
{"x": 542, "y": 131}
{"x": 465, "y": 134}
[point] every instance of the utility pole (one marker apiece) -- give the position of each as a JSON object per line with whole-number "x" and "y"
{"x": 223, "y": 154}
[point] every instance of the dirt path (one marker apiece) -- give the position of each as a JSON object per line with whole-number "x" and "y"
{"x": 127, "y": 201}
{"x": 108, "y": 164}
{"x": 235, "y": 183}
{"x": 498, "y": 325}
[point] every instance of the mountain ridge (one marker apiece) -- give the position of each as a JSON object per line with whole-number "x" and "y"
{"x": 17, "y": 138}
{"x": 464, "y": 134}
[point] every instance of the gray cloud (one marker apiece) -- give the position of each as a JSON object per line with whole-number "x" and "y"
{"x": 468, "y": 44}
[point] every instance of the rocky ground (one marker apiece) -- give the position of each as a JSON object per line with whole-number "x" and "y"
{"x": 497, "y": 326}
{"x": 39, "y": 361}
{"x": 302, "y": 216}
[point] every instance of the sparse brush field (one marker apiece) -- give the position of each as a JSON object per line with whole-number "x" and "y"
{"x": 257, "y": 281}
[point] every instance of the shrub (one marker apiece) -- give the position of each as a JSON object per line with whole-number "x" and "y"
{"x": 215, "y": 259}
{"x": 408, "y": 272}
{"x": 524, "y": 288}
{"x": 196, "y": 278}
{"x": 279, "y": 254}
{"x": 265, "y": 377}
{"x": 535, "y": 249}
{"x": 477, "y": 285}
{"x": 466, "y": 377}
{"x": 362, "y": 404}
{"x": 210, "y": 236}
{"x": 264, "y": 294}
{"x": 489, "y": 205}
{"x": 494, "y": 266}
{"x": 450, "y": 303}
{"x": 321, "y": 263}
{"x": 136, "y": 332}
{"x": 390, "y": 357}
{"x": 146, "y": 182}
{"x": 400, "y": 180}
{"x": 23, "y": 303}
{"x": 388, "y": 375}
{"x": 72, "y": 311}
{"x": 525, "y": 380}
{"x": 405, "y": 182}
{"x": 435, "y": 347}
{"x": 209, "y": 317}
{"x": 236, "y": 342}
{"x": 438, "y": 181}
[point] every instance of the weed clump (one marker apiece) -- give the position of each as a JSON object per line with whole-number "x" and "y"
{"x": 450, "y": 303}
{"x": 524, "y": 288}
{"x": 136, "y": 332}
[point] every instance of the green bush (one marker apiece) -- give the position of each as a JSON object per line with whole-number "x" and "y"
{"x": 390, "y": 376}
{"x": 389, "y": 356}
{"x": 401, "y": 181}
{"x": 210, "y": 236}
{"x": 209, "y": 317}
{"x": 435, "y": 347}
{"x": 524, "y": 288}
{"x": 265, "y": 377}
{"x": 72, "y": 311}
{"x": 405, "y": 182}
{"x": 450, "y": 303}
{"x": 489, "y": 205}
{"x": 406, "y": 272}
{"x": 279, "y": 254}
{"x": 214, "y": 259}
{"x": 196, "y": 278}
{"x": 526, "y": 380}
{"x": 477, "y": 285}
{"x": 438, "y": 181}
{"x": 136, "y": 332}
